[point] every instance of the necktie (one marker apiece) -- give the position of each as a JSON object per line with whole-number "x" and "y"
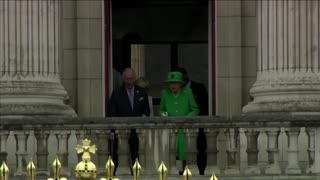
{"x": 131, "y": 98}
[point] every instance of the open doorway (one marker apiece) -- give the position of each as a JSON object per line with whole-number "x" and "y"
{"x": 155, "y": 37}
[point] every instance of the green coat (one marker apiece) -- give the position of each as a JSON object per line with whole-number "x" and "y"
{"x": 183, "y": 104}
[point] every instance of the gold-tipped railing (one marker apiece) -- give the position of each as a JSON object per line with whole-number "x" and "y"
{"x": 86, "y": 170}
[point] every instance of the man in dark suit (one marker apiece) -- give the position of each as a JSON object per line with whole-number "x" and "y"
{"x": 129, "y": 101}
{"x": 199, "y": 92}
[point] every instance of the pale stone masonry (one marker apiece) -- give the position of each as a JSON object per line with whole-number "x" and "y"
{"x": 29, "y": 54}
{"x": 288, "y": 78}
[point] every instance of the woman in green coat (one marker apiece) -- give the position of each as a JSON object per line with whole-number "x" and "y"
{"x": 177, "y": 100}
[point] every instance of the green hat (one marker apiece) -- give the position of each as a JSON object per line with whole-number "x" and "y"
{"x": 174, "y": 77}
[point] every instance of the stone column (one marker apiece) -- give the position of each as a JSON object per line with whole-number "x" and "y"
{"x": 288, "y": 66}
{"x": 123, "y": 152}
{"x": 42, "y": 151}
{"x": 29, "y": 55}
{"x": 252, "y": 151}
{"x": 293, "y": 151}
{"x": 63, "y": 150}
{"x": 212, "y": 151}
{"x": 232, "y": 152}
{"x": 21, "y": 154}
{"x": 273, "y": 151}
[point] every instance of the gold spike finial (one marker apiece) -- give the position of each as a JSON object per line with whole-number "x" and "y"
{"x": 136, "y": 169}
{"x": 56, "y": 167}
{"x": 110, "y": 168}
{"x": 187, "y": 175}
{"x": 162, "y": 170}
{"x": 31, "y": 170}
{"x": 213, "y": 177}
{"x": 4, "y": 170}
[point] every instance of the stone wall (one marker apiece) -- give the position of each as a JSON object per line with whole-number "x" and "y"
{"x": 236, "y": 54}
{"x": 82, "y": 59}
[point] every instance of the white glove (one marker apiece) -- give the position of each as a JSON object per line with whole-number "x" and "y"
{"x": 165, "y": 114}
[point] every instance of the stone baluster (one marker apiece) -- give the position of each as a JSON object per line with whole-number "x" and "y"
{"x": 293, "y": 151}
{"x": 42, "y": 151}
{"x": 311, "y": 132}
{"x": 63, "y": 150}
{"x": 123, "y": 152}
{"x": 232, "y": 151}
{"x": 103, "y": 149}
{"x": 273, "y": 151}
{"x": 21, "y": 154}
{"x": 3, "y": 151}
{"x": 252, "y": 151}
{"x": 142, "y": 149}
{"x": 212, "y": 150}
{"x": 191, "y": 149}
{"x": 172, "y": 152}
{"x": 150, "y": 161}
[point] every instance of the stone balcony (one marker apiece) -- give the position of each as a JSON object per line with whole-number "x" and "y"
{"x": 270, "y": 146}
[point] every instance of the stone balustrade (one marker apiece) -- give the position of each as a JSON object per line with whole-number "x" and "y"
{"x": 242, "y": 147}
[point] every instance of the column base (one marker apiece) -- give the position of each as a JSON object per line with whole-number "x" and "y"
{"x": 293, "y": 170}
{"x": 252, "y": 170}
{"x": 232, "y": 171}
{"x": 212, "y": 169}
{"x": 122, "y": 171}
{"x": 20, "y": 173}
{"x": 273, "y": 169}
{"x": 42, "y": 173}
{"x": 291, "y": 106}
{"x": 32, "y": 98}
{"x": 16, "y": 110}
{"x": 285, "y": 92}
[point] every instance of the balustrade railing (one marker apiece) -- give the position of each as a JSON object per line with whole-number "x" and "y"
{"x": 255, "y": 145}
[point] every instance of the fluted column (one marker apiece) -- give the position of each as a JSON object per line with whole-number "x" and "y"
{"x": 288, "y": 77}
{"x": 29, "y": 55}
